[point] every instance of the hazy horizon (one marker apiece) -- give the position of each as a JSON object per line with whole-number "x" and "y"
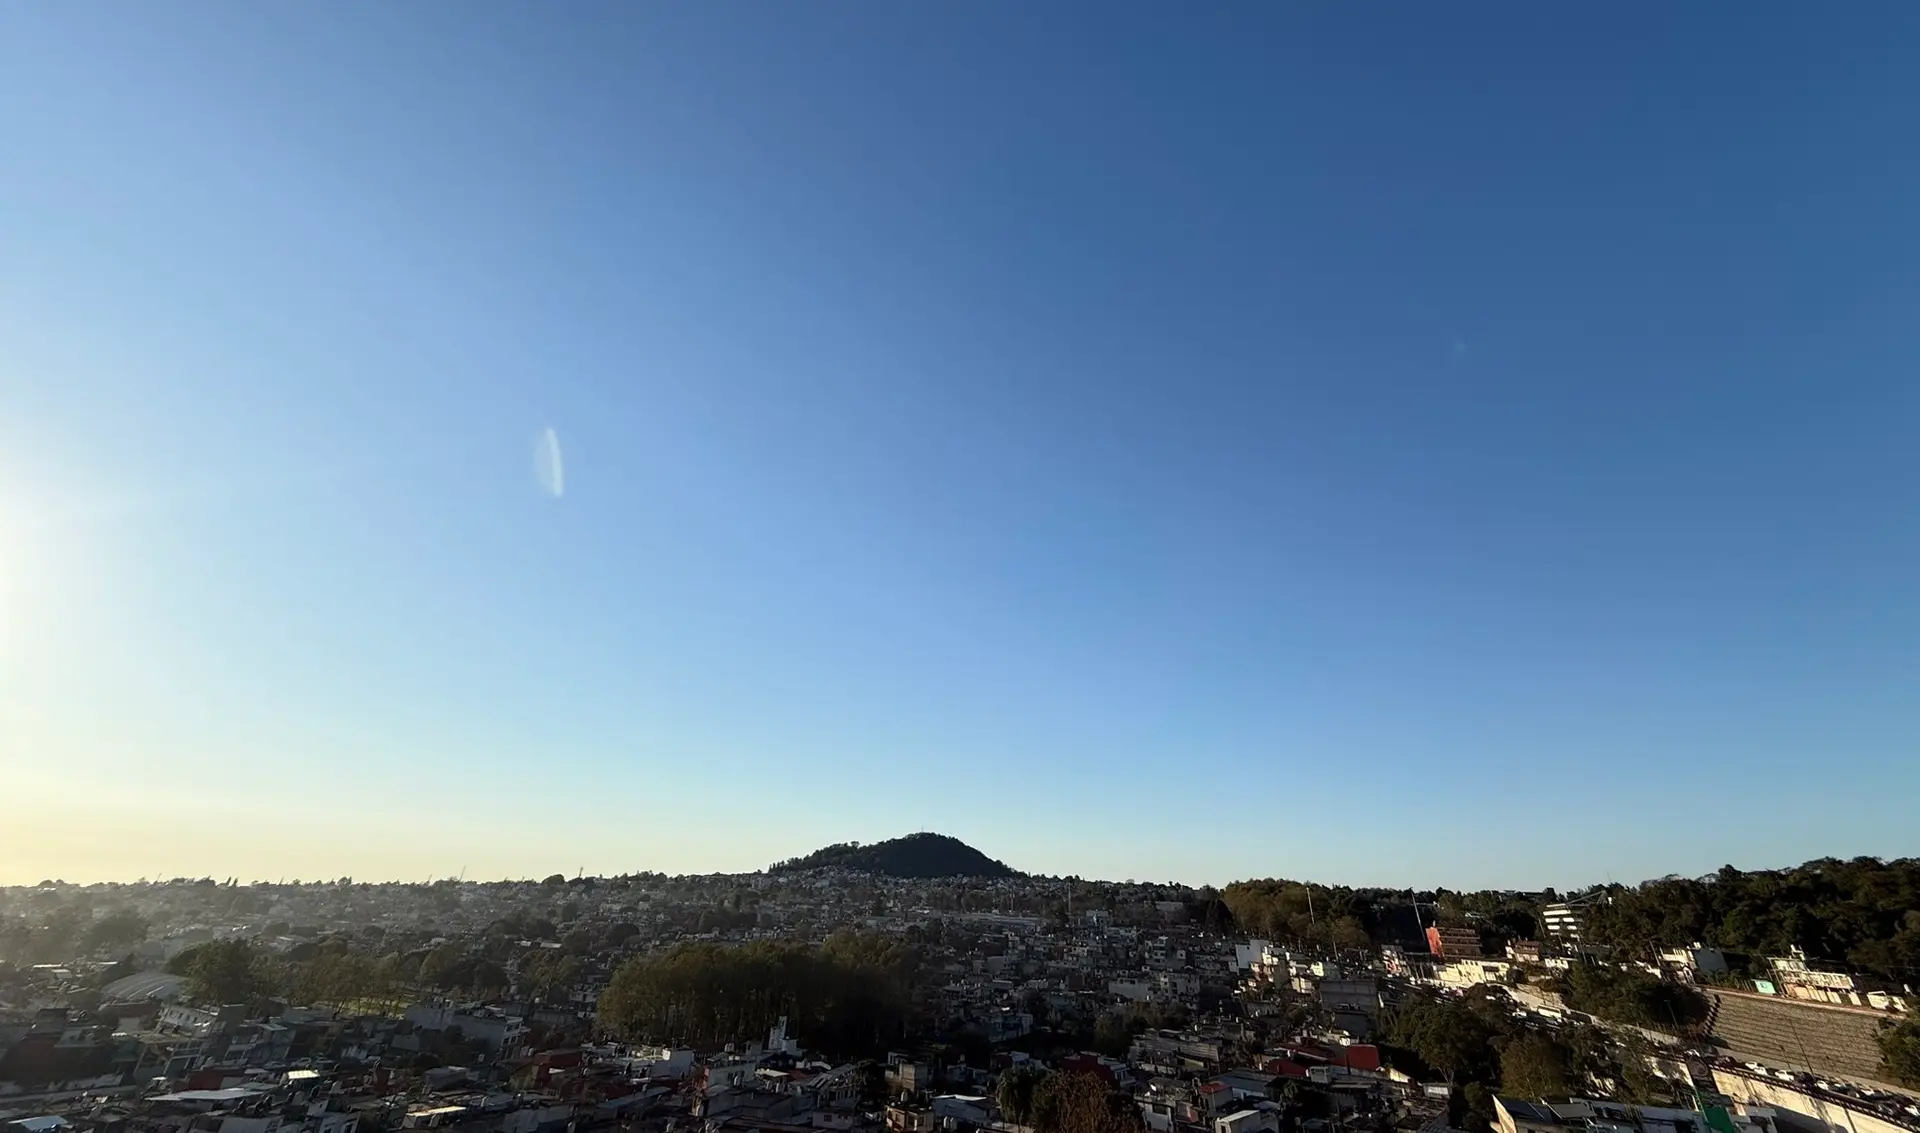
{"x": 467, "y": 875}
{"x": 1471, "y": 448}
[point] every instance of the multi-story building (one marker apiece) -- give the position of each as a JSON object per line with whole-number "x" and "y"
{"x": 1564, "y": 921}
{"x": 1453, "y": 943}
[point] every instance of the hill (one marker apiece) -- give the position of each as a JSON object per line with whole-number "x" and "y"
{"x": 916, "y": 855}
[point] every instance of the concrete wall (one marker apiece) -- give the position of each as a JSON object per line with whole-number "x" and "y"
{"x": 1795, "y": 1035}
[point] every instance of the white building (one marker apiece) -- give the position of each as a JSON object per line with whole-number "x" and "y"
{"x": 1564, "y": 921}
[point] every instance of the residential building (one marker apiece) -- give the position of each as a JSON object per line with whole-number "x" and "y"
{"x": 1688, "y": 962}
{"x": 496, "y": 1032}
{"x": 1793, "y": 971}
{"x": 963, "y": 1109}
{"x": 1564, "y": 921}
{"x": 1453, "y": 943}
{"x": 1261, "y": 1119}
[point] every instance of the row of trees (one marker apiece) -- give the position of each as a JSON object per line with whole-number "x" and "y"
{"x": 343, "y": 974}
{"x": 851, "y": 995}
{"x": 1293, "y": 912}
{"x": 66, "y": 932}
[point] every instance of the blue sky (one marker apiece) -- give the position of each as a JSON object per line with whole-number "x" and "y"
{"x": 1469, "y": 445}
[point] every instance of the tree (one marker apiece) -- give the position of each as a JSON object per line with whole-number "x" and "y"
{"x": 1627, "y": 996}
{"x": 1035, "y": 1004}
{"x": 1112, "y": 1034}
{"x": 1349, "y": 935}
{"x": 1900, "y": 1052}
{"x": 488, "y": 977}
{"x": 1067, "y": 1102}
{"x": 117, "y": 931}
{"x": 1449, "y": 1035}
{"x": 1534, "y": 1065}
{"x": 1474, "y": 1104}
{"x": 1014, "y": 1093}
{"x": 225, "y": 971}
{"x": 346, "y": 977}
{"x": 1639, "y": 1084}
{"x": 847, "y": 996}
{"x": 443, "y": 967}
{"x": 550, "y": 971}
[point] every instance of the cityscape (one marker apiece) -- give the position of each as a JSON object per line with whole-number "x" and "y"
{"x": 918, "y": 984}
{"x": 915, "y": 566}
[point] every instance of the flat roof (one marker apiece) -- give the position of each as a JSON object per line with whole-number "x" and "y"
{"x": 230, "y": 1094}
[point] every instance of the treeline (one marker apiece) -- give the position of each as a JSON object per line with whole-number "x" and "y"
{"x": 1292, "y": 912}
{"x": 66, "y": 931}
{"x": 332, "y": 974}
{"x": 1864, "y": 913}
{"x": 1338, "y": 919}
{"x": 848, "y": 996}
{"x": 353, "y": 975}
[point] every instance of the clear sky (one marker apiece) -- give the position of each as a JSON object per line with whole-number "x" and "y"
{"x": 1451, "y": 443}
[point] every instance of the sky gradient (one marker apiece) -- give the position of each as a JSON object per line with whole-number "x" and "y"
{"x": 1467, "y": 445}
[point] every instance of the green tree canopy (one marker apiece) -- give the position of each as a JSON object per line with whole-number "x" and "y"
{"x": 1535, "y": 1065}
{"x": 1900, "y": 1052}
{"x": 1862, "y": 912}
{"x": 226, "y": 971}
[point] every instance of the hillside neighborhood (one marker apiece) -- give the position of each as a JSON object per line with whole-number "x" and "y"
{"x": 820, "y": 996}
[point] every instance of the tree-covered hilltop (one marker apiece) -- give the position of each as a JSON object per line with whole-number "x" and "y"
{"x": 916, "y": 855}
{"x": 1863, "y": 913}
